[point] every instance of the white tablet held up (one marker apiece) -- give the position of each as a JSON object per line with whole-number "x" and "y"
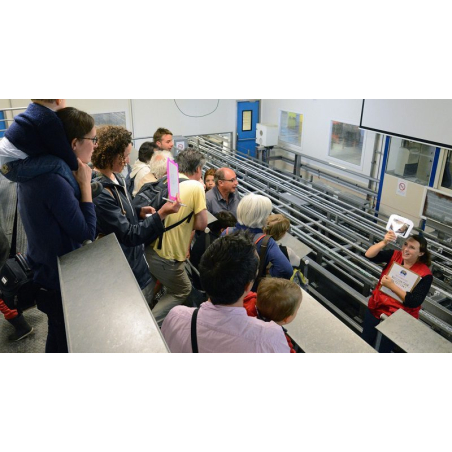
{"x": 401, "y": 226}
{"x": 172, "y": 172}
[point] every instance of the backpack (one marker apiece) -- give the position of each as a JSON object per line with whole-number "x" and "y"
{"x": 130, "y": 182}
{"x": 262, "y": 252}
{"x": 153, "y": 194}
{"x": 297, "y": 275}
{"x": 299, "y": 279}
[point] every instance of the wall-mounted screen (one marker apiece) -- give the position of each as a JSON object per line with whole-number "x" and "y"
{"x": 423, "y": 120}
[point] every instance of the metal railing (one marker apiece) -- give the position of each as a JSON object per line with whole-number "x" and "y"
{"x": 338, "y": 232}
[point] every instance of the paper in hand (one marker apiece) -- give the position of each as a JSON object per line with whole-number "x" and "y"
{"x": 401, "y": 226}
{"x": 172, "y": 173}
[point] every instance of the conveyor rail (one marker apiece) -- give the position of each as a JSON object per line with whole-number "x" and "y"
{"x": 337, "y": 232}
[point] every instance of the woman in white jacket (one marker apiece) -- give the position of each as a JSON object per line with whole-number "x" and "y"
{"x": 141, "y": 167}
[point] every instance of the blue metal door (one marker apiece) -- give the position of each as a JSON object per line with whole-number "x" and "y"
{"x": 247, "y": 118}
{"x": 2, "y": 124}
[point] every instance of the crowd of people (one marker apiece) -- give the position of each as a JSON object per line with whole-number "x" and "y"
{"x": 71, "y": 190}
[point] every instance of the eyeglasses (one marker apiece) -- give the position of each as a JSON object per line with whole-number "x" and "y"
{"x": 230, "y": 180}
{"x": 94, "y": 140}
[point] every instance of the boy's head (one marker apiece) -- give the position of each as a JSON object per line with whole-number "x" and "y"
{"x": 276, "y": 226}
{"x": 225, "y": 219}
{"x": 53, "y": 104}
{"x": 278, "y": 300}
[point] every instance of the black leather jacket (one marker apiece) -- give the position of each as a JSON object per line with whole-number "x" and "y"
{"x": 115, "y": 213}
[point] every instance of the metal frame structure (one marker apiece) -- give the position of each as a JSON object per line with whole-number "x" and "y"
{"x": 339, "y": 228}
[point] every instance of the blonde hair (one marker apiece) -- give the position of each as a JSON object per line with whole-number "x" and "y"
{"x": 277, "y": 298}
{"x": 277, "y": 225}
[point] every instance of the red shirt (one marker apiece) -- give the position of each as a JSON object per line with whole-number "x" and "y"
{"x": 380, "y": 303}
{"x": 249, "y": 303}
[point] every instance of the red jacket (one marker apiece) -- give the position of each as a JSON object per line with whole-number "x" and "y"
{"x": 249, "y": 303}
{"x": 380, "y": 303}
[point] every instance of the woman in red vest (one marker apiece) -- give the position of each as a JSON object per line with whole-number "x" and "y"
{"x": 414, "y": 256}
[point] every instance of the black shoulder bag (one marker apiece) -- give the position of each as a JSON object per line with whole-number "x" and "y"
{"x": 16, "y": 278}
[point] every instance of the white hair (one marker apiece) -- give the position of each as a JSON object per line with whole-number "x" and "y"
{"x": 253, "y": 210}
{"x": 158, "y": 163}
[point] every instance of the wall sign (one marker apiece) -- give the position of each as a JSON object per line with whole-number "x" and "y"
{"x": 401, "y": 187}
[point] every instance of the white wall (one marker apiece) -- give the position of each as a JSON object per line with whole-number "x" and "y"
{"x": 149, "y": 115}
{"x": 145, "y": 116}
{"x": 317, "y": 117}
{"x": 407, "y": 206}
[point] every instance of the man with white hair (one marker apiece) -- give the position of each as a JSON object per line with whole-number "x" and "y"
{"x": 157, "y": 167}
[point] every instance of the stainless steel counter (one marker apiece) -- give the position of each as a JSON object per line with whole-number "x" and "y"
{"x": 104, "y": 308}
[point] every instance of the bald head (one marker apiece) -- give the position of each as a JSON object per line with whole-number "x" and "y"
{"x": 226, "y": 181}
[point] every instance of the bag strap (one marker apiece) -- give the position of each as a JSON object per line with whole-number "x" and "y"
{"x": 116, "y": 197}
{"x": 284, "y": 251}
{"x": 194, "y": 339}
{"x": 262, "y": 253}
{"x": 12, "y": 251}
{"x": 187, "y": 218}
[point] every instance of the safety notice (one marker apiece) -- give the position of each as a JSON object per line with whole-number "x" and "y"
{"x": 401, "y": 187}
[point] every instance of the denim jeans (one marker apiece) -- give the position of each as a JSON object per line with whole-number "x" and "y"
{"x": 31, "y": 167}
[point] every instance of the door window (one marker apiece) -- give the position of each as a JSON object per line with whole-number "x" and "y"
{"x": 247, "y": 120}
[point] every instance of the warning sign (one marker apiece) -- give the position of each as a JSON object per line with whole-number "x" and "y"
{"x": 401, "y": 187}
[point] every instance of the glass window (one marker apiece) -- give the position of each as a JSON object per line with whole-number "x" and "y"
{"x": 446, "y": 180}
{"x": 410, "y": 160}
{"x": 290, "y": 127}
{"x": 346, "y": 143}
{"x": 247, "y": 120}
{"x": 438, "y": 206}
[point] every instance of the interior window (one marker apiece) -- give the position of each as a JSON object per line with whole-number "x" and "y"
{"x": 410, "y": 160}
{"x": 446, "y": 180}
{"x": 290, "y": 127}
{"x": 346, "y": 142}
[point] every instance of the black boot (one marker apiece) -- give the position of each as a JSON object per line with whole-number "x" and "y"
{"x": 23, "y": 329}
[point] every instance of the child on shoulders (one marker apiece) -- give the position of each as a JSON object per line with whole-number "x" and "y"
{"x": 36, "y": 143}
